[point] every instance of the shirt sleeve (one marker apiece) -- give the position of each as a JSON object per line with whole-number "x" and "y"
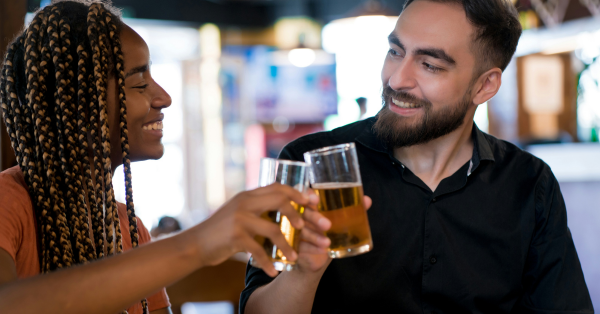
{"x": 553, "y": 280}
{"x": 14, "y": 200}
{"x": 160, "y": 299}
{"x": 256, "y": 277}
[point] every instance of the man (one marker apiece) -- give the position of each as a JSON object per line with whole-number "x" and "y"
{"x": 461, "y": 222}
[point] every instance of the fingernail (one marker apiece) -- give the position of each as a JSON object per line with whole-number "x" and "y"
{"x": 294, "y": 256}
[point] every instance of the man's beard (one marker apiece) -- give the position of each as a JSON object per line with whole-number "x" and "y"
{"x": 395, "y": 130}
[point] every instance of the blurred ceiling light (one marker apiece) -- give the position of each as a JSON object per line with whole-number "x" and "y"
{"x": 367, "y": 19}
{"x": 372, "y": 7}
{"x": 299, "y": 41}
{"x": 287, "y": 57}
{"x": 296, "y": 32}
{"x": 302, "y": 57}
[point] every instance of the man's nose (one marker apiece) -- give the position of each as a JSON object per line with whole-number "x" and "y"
{"x": 403, "y": 77}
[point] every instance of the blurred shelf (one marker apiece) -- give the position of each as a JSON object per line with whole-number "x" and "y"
{"x": 573, "y": 162}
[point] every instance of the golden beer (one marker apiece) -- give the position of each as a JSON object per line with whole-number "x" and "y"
{"x": 342, "y": 204}
{"x": 291, "y": 234}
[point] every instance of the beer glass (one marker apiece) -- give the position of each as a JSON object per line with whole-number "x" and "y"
{"x": 292, "y": 173}
{"x": 335, "y": 177}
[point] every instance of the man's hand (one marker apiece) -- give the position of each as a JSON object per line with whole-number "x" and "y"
{"x": 312, "y": 254}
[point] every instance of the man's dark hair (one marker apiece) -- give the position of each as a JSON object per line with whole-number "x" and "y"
{"x": 497, "y": 30}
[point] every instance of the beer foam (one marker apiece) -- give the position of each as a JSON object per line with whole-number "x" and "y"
{"x": 335, "y": 185}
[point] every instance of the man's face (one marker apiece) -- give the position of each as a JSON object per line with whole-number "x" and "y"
{"x": 427, "y": 74}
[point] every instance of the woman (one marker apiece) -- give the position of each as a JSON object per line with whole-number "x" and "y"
{"x": 78, "y": 101}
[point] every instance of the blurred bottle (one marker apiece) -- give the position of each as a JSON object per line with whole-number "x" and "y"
{"x": 594, "y": 137}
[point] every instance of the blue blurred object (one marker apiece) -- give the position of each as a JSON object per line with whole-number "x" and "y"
{"x": 298, "y": 94}
{"x": 207, "y": 308}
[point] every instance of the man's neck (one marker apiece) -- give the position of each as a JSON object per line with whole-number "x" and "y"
{"x": 440, "y": 158}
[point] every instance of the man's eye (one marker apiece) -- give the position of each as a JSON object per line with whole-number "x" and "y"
{"x": 393, "y": 52}
{"x": 431, "y": 68}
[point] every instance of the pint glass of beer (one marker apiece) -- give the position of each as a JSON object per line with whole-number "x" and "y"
{"x": 335, "y": 177}
{"x": 292, "y": 173}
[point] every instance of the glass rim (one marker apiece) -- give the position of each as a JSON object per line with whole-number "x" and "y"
{"x": 331, "y": 149}
{"x": 285, "y": 161}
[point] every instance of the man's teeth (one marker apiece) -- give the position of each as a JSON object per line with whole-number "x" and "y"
{"x": 153, "y": 126}
{"x": 401, "y": 104}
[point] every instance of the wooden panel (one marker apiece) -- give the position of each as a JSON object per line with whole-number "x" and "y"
{"x": 223, "y": 282}
{"x": 567, "y": 119}
{"x": 12, "y": 16}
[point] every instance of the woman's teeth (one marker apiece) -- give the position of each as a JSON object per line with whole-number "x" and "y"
{"x": 153, "y": 126}
{"x": 405, "y": 105}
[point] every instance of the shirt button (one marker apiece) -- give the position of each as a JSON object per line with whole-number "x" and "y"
{"x": 434, "y": 200}
{"x": 433, "y": 260}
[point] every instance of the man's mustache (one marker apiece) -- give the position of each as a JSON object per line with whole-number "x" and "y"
{"x": 402, "y": 96}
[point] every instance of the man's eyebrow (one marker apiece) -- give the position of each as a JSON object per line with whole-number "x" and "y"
{"x": 393, "y": 39}
{"x": 140, "y": 69}
{"x": 432, "y": 52}
{"x": 436, "y": 53}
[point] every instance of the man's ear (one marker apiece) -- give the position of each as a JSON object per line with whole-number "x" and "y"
{"x": 487, "y": 85}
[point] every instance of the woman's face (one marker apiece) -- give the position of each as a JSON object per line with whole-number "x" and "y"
{"x": 144, "y": 98}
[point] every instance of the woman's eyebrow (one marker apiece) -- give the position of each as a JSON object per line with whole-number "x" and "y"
{"x": 140, "y": 69}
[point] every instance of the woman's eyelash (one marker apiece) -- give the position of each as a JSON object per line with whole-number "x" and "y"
{"x": 141, "y": 86}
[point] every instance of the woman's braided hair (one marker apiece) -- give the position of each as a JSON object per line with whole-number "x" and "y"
{"x": 53, "y": 99}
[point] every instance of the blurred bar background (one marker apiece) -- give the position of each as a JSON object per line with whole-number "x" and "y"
{"x": 248, "y": 76}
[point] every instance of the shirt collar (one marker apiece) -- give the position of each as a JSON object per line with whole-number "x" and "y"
{"x": 481, "y": 146}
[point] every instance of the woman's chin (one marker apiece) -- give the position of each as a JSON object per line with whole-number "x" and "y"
{"x": 153, "y": 154}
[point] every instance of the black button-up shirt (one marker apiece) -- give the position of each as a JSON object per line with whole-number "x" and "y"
{"x": 492, "y": 238}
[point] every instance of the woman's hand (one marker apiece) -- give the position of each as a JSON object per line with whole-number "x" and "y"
{"x": 233, "y": 227}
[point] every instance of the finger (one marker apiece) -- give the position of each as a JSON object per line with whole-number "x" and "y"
{"x": 293, "y": 214}
{"x": 262, "y": 227}
{"x": 259, "y": 256}
{"x": 316, "y": 219}
{"x": 314, "y": 238}
{"x": 274, "y": 201}
{"x": 271, "y": 197}
{"x": 307, "y": 249}
{"x": 313, "y": 198}
{"x": 367, "y": 201}
{"x": 293, "y": 194}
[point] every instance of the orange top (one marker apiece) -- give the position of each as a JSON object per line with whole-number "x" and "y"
{"x": 18, "y": 232}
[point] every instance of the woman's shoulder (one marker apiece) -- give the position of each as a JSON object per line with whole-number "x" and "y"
{"x": 144, "y": 235}
{"x": 13, "y": 175}
{"x": 14, "y": 189}
{"x": 18, "y": 231}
